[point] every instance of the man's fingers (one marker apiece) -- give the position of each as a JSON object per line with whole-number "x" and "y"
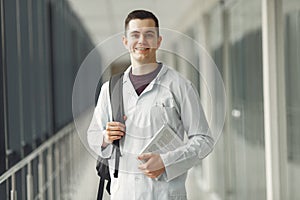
{"x": 114, "y": 138}
{"x": 143, "y": 167}
{"x": 115, "y": 128}
{"x": 115, "y": 133}
{"x": 115, "y": 124}
{"x": 145, "y": 156}
{"x": 152, "y": 174}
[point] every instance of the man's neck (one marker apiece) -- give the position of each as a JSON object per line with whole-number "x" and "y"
{"x": 144, "y": 68}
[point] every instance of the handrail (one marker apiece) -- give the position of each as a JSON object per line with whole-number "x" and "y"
{"x": 52, "y": 140}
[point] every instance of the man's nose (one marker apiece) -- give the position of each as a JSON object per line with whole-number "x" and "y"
{"x": 141, "y": 39}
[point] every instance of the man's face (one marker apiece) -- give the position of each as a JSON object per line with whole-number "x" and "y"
{"x": 142, "y": 41}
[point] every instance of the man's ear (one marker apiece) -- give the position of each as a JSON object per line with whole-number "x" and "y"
{"x": 125, "y": 41}
{"x": 159, "y": 41}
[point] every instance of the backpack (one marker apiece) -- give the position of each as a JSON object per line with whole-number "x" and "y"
{"x": 116, "y": 99}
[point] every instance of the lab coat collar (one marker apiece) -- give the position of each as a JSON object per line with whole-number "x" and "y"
{"x": 163, "y": 70}
{"x": 161, "y": 73}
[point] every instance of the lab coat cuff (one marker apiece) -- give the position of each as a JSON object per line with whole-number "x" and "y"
{"x": 170, "y": 168}
{"x": 105, "y": 152}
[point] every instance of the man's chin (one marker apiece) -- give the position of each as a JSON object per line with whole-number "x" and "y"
{"x": 141, "y": 58}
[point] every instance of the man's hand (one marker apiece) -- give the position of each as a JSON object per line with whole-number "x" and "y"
{"x": 114, "y": 131}
{"x": 154, "y": 165}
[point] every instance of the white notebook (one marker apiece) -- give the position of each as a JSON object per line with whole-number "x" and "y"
{"x": 163, "y": 141}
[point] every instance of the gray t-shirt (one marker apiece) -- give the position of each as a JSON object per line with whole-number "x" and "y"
{"x": 140, "y": 82}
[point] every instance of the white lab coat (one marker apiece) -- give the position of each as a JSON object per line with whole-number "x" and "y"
{"x": 171, "y": 99}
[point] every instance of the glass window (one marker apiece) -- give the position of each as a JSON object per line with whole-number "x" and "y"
{"x": 239, "y": 157}
{"x": 2, "y": 106}
{"x": 13, "y": 74}
{"x": 246, "y": 114}
{"x": 27, "y": 77}
{"x": 292, "y": 74}
{"x": 218, "y": 175}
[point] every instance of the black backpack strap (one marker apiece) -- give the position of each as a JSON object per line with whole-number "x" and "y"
{"x": 116, "y": 99}
{"x": 101, "y": 186}
{"x": 97, "y": 93}
{"x": 100, "y": 189}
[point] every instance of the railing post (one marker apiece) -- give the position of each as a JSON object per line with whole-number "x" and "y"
{"x": 63, "y": 166}
{"x": 41, "y": 178}
{"x": 50, "y": 173}
{"x": 71, "y": 162}
{"x": 69, "y": 175}
{"x": 13, "y": 191}
{"x": 57, "y": 171}
{"x": 29, "y": 184}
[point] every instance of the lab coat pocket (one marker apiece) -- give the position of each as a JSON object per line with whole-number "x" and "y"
{"x": 166, "y": 111}
{"x": 172, "y": 116}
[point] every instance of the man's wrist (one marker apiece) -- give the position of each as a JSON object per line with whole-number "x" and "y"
{"x": 105, "y": 141}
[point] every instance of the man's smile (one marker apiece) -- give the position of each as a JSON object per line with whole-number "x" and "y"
{"x": 141, "y": 49}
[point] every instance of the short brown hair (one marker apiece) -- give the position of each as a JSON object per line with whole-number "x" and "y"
{"x": 141, "y": 14}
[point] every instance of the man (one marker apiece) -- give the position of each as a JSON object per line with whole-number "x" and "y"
{"x": 153, "y": 95}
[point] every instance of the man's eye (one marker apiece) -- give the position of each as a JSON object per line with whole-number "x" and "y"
{"x": 149, "y": 35}
{"x": 135, "y": 35}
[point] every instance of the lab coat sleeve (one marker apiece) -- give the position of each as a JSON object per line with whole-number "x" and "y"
{"x": 200, "y": 142}
{"x": 97, "y": 126}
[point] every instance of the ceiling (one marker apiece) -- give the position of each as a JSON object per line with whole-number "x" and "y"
{"x": 103, "y": 18}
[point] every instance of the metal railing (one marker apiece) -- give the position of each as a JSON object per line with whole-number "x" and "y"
{"x": 54, "y": 168}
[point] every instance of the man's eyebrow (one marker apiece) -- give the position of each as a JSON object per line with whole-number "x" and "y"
{"x": 133, "y": 32}
{"x": 138, "y": 31}
{"x": 150, "y": 31}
